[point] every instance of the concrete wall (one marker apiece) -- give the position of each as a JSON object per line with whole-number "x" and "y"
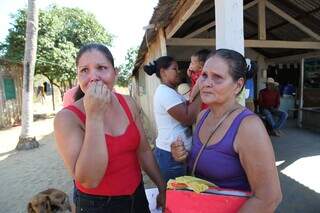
{"x": 10, "y": 110}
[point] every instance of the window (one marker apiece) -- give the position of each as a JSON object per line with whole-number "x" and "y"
{"x": 9, "y": 89}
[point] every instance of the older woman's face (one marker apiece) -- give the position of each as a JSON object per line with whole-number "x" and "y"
{"x": 94, "y": 66}
{"x": 216, "y": 84}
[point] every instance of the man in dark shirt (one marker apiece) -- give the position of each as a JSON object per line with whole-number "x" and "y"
{"x": 269, "y": 102}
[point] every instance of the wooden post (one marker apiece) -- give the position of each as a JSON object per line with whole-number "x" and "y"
{"x": 301, "y": 93}
{"x": 262, "y": 20}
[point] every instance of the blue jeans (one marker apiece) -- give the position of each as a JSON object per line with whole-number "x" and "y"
{"x": 271, "y": 114}
{"x": 169, "y": 168}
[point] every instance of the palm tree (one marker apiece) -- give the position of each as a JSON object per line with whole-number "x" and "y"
{"x": 26, "y": 141}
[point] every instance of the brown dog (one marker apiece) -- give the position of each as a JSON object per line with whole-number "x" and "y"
{"x": 49, "y": 201}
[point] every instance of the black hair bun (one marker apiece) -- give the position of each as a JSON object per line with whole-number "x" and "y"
{"x": 150, "y": 69}
{"x": 251, "y": 68}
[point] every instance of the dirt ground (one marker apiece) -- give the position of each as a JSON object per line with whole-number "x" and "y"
{"x": 25, "y": 173}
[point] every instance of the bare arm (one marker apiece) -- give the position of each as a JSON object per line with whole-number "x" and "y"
{"x": 178, "y": 151}
{"x": 257, "y": 158}
{"x": 84, "y": 151}
{"x": 186, "y": 113}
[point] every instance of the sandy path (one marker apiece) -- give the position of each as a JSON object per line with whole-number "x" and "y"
{"x": 25, "y": 173}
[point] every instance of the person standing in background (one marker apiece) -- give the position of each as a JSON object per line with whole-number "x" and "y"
{"x": 173, "y": 115}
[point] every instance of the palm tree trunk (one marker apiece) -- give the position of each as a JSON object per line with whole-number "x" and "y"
{"x": 26, "y": 140}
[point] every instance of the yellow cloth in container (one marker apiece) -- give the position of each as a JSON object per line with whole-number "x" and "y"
{"x": 189, "y": 182}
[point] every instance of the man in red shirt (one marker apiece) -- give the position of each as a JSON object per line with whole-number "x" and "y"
{"x": 269, "y": 102}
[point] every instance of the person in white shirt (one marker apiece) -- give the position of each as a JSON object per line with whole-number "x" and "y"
{"x": 172, "y": 114}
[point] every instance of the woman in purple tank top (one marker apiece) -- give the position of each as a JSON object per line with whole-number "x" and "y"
{"x": 235, "y": 149}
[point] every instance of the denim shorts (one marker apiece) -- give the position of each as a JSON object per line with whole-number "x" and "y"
{"x": 135, "y": 203}
{"x": 169, "y": 168}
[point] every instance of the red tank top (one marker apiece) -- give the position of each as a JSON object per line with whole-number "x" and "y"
{"x": 123, "y": 174}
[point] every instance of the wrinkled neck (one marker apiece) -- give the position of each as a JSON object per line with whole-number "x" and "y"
{"x": 220, "y": 110}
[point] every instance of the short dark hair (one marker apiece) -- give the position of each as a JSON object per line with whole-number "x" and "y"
{"x": 236, "y": 63}
{"x": 164, "y": 62}
{"x": 202, "y": 55}
{"x": 89, "y": 47}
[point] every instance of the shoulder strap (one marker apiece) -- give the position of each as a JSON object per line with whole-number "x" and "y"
{"x": 200, "y": 123}
{"x": 78, "y": 112}
{"x": 125, "y": 106}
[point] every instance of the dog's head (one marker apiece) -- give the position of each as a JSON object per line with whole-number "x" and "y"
{"x": 59, "y": 201}
{"x": 40, "y": 204}
{"x": 49, "y": 201}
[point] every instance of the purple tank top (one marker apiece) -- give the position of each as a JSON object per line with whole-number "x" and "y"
{"x": 219, "y": 163}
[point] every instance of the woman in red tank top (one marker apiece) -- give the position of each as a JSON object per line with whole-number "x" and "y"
{"x": 102, "y": 142}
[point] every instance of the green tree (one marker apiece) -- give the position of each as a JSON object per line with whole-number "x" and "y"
{"x": 125, "y": 69}
{"x": 62, "y": 31}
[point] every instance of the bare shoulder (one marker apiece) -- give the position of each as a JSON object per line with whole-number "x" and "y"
{"x": 251, "y": 133}
{"x": 63, "y": 116}
{"x": 65, "y": 120}
{"x": 251, "y": 124}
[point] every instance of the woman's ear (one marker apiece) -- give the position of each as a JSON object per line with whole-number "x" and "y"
{"x": 239, "y": 85}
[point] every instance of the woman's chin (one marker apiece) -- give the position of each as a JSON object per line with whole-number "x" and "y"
{"x": 207, "y": 100}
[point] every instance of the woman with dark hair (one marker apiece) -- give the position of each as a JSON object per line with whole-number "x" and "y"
{"x": 104, "y": 156}
{"x": 231, "y": 147}
{"x": 172, "y": 114}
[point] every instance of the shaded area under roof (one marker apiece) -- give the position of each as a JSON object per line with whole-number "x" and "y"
{"x": 306, "y": 12}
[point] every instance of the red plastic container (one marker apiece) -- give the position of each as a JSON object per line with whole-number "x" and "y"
{"x": 183, "y": 201}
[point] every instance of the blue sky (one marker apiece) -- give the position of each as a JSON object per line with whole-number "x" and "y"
{"x": 122, "y": 18}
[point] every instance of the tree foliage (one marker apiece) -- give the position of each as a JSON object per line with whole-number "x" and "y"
{"x": 126, "y": 68}
{"x": 62, "y": 31}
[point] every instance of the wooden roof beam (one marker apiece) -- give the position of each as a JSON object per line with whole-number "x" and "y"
{"x": 293, "y": 58}
{"x": 204, "y": 9}
{"x": 305, "y": 14}
{"x": 201, "y": 29}
{"x": 290, "y": 19}
{"x": 182, "y": 16}
{"x": 299, "y": 17}
{"x": 212, "y": 24}
{"x": 255, "y": 25}
{"x": 209, "y": 42}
